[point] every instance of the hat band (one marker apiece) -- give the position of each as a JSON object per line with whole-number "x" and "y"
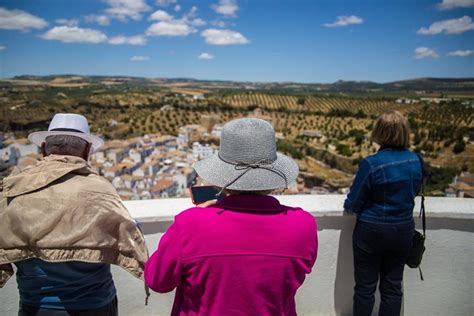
{"x": 265, "y": 161}
{"x": 66, "y": 130}
{"x": 245, "y": 167}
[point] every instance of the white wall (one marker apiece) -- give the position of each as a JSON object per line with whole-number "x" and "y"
{"x": 448, "y": 264}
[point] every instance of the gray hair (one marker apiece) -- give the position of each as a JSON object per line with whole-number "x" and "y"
{"x": 65, "y": 145}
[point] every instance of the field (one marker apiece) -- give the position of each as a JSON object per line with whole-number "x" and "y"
{"x": 332, "y": 127}
{"x": 311, "y": 103}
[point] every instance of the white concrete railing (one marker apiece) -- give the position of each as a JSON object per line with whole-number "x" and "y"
{"x": 319, "y": 205}
{"x": 447, "y": 265}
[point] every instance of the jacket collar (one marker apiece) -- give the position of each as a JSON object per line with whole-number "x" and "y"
{"x": 257, "y": 203}
{"x": 44, "y": 172}
{"x": 382, "y": 148}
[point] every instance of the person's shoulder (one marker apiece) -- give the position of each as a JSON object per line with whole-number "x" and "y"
{"x": 302, "y": 223}
{"x": 303, "y": 215}
{"x": 413, "y": 155}
{"x": 194, "y": 213}
{"x": 371, "y": 160}
{"x": 195, "y": 218}
{"x": 368, "y": 163}
{"x": 96, "y": 184}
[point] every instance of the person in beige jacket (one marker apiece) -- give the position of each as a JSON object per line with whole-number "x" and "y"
{"x": 63, "y": 225}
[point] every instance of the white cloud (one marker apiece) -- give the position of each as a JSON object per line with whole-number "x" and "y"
{"x": 139, "y": 58}
{"x": 198, "y": 22}
{"x": 226, "y": 7}
{"x": 99, "y": 19}
{"x": 2, "y": 47}
{"x": 453, "y": 26}
{"x": 461, "y": 53}
{"x": 451, "y": 4}
{"x": 67, "y": 22}
{"x": 425, "y": 52}
{"x": 20, "y": 20}
{"x": 345, "y": 20}
{"x": 191, "y": 14}
{"x": 223, "y": 37}
{"x": 128, "y": 40}
{"x": 206, "y": 56}
{"x": 126, "y": 9}
{"x": 165, "y": 2}
{"x": 74, "y": 34}
{"x": 177, "y": 8}
{"x": 219, "y": 23}
{"x": 170, "y": 28}
{"x": 160, "y": 15}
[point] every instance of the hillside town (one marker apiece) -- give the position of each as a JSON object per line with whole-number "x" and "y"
{"x": 156, "y": 166}
{"x": 146, "y": 167}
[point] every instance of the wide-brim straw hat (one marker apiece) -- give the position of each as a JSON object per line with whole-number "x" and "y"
{"x": 67, "y": 124}
{"x": 247, "y": 159}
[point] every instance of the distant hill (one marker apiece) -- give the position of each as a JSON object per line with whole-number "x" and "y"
{"x": 419, "y": 85}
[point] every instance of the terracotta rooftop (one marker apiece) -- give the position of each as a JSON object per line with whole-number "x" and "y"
{"x": 162, "y": 184}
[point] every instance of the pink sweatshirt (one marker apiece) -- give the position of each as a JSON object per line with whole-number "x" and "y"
{"x": 246, "y": 255}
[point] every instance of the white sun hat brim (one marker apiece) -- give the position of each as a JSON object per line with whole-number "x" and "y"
{"x": 38, "y": 138}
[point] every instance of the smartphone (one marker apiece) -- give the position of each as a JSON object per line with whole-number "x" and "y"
{"x": 201, "y": 194}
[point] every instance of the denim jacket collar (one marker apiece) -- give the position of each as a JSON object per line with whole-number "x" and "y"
{"x": 382, "y": 148}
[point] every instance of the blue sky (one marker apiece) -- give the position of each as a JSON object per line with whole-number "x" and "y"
{"x": 245, "y": 40}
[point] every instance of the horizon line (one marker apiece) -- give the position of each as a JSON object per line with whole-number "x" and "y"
{"x": 239, "y": 81}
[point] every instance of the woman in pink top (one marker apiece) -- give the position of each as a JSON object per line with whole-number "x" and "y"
{"x": 247, "y": 254}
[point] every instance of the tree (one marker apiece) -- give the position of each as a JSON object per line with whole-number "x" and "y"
{"x": 360, "y": 114}
{"x": 369, "y": 127}
{"x": 344, "y": 150}
{"x": 358, "y": 134}
{"x": 417, "y": 138}
{"x": 459, "y": 147}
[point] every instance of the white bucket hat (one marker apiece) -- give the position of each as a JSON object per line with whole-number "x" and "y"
{"x": 247, "y": 159}
{"x": 67, "y": 124}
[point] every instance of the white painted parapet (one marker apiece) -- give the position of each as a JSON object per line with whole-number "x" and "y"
{"x": 448, "y": 264}
{"x": 318, "y": 205}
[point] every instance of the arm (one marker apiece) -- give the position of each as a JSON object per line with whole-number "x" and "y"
{"x": 163, "y": 269}
{"x": 314, "y": 254}
{"x": 423, "y": 174}
{"x": 360, "y": 189}
{"x": 6, "y": 271}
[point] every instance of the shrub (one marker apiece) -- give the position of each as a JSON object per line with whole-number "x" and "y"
{"x": 344, "y": 150}
{"x": 459, "y": 147}
{"x": 358, "y": 134}
{"x": 438, "y": 179}
{"x": 289, "y": 149}
{"x": 360, "y": 114}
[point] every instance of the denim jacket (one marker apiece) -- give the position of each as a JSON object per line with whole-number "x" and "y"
{"x": 385, "y": 187}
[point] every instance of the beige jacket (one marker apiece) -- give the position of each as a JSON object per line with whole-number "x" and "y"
{"x": 60, "y": 210}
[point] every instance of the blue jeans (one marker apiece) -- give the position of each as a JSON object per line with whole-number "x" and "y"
{"x": 380, "y": 251}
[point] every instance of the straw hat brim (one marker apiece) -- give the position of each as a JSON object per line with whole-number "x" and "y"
{"x": 220, "y": 173}
{"x": 39, "y": 137}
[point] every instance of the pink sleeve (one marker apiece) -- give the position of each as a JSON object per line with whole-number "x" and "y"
{"x": 316, "y": 244}
{"x": 163, "y": 269}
